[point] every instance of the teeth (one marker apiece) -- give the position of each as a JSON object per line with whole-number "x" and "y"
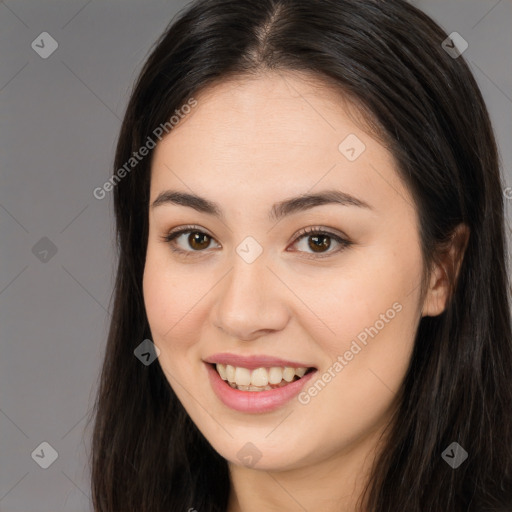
{"x": 256, "y": 388}
{"x": 300, "y": 372}
{"x": 230, "y": 373}
{"x": 275, "y": 375}
{"x": 288, "y": 374}
{"x": 259, "y": 379}
{"x": 242, "y": 376}
{"x": 222, "y": 371}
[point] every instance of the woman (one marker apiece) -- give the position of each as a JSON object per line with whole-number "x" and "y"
{"x": 310, "y": 226}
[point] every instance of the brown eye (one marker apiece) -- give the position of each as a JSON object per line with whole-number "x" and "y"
{"x": 319, "y": 242}
{"x": 197, "y": 240}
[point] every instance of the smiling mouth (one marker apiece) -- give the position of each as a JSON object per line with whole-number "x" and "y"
{"x": 259, "y": 379}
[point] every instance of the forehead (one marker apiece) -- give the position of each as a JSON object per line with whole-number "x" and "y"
{"x": 274, "y": 108}
{"x": 260, "y": 137}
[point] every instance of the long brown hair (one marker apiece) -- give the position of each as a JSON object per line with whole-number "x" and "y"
{"x": 147, "y": 454}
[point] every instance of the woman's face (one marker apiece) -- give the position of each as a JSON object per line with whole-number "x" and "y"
{"x": 248, "y": 288}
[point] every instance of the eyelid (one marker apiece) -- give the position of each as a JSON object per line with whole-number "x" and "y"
{"x": 188, "y": 227}
{"x": 312, "y": 230}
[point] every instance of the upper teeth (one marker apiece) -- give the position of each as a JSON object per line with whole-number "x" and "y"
{"x": 260, "y": 376}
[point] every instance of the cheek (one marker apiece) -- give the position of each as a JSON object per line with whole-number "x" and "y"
{"x": 374, "y": 318}
{"x": 354, "y": 297}
{"x": 173, "y": 305}
{"x": 372, "y": 313}
{"x": 160, "y": 287}
{"x": 157, "y": 297}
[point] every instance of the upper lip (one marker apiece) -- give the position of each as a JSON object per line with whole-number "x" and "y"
{"x": 252, "y": 362}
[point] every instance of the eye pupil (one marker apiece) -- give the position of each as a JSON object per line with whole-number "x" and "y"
{"x": 195, "y": 237}
{"x": 323, "y": 245}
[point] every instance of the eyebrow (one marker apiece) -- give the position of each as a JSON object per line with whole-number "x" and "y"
{"x": 278, "y": 210}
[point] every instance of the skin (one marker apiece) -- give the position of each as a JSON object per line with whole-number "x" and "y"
{"x": 249, "y": 143}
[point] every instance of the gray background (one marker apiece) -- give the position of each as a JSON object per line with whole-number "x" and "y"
{"x": 60, "y": 117}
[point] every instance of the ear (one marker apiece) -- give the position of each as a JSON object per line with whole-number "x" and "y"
{"x": 444, "y": 275}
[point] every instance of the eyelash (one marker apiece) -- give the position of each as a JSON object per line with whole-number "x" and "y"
{"x": 303, "y": 233}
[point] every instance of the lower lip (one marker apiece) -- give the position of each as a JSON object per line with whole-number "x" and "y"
{"x": 255, "y": 401}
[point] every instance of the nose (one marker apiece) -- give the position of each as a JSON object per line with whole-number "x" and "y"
{"x": 251, "y": 300}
